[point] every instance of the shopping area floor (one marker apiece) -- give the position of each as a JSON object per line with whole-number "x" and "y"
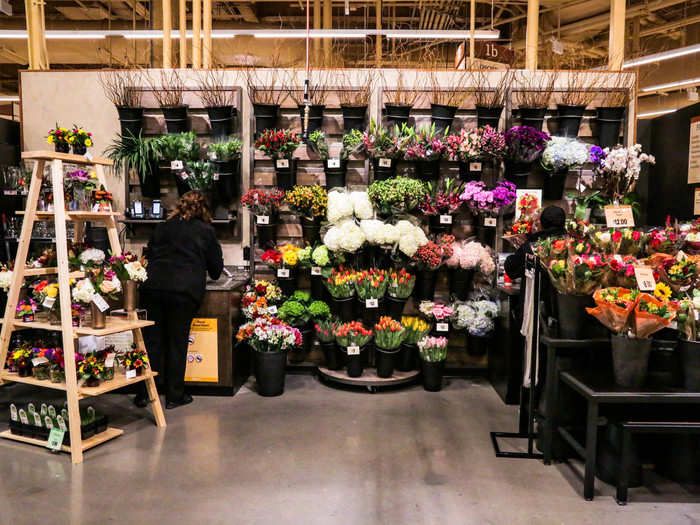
{"x": 316, "y": 455}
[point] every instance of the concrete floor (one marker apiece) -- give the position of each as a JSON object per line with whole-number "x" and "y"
{"x": 316, "y": 455}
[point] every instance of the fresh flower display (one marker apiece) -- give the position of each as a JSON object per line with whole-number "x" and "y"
{"x": 320, "y": 256}
{"x": 78, "y": 135}
{"x": 340, "y": 206}
{"x": 91, "y": 369}
{"x": 679, "y": 272}
{"x": 341, "y": 283}
{"x": 388, "y": 333}
{"x": 83, "y": 291}
{"x": 477, "y": 317}
{"x": 285, "y": 256}
{"x": 621, "y": 271}
{"x": 437, "y": 311}
{"x": 352, "y": 334}
{"x": 493, "y": 144}
{"x": 26, "y": 309}
{"x": 524, "y": 143}
{"x": 294, "y": 313}
{"x": 5, "y": 278}
{"x": 269, "y": 334}
{"x": 401, "y": 283}
{"x": 617, "y": 170}
{"x": 346, "y": 236}
{"x": 471, "y": 255}
{"x": 664, "y": 241}
{"x": 433, "y": 349}
{"x": 308, "y": 201}
{"x": 325, "y": 330}
{"x": 80, "y": 179}
{"x": 91, "y": 258}
{"x": 425, "y": 144}
{"x": 198, "y": 174}
{"x": 46, "y": 259}
{"x": 574, "y": 274}
{"x": 135, "y": 359}
{"x": 380, "y": 233}
{"x": 613, "y": 307}
{"x": 278, "y": 143}
{"x": 106, "y": 283}
{"x": 466, "y": 146}
{"x": 442, "y": 199}
{"x": 411, "y": 238}
{"x": 486, "y": 202}
{"x": 563, "y": 153}
{"x": 41, "y": 290}
{"x": 521, "y": 227}
{"x": 57, "y": 135}
{"x": 416, "y": 329}
{"x": 127, "y": 266}
{"x": 261, "y": 202}
{"x": 663, "y": 292}
{"x": 254, "y": 306}
{"x": 20, "y": 357}
{"x": 692, "y": 242}
{"x": 396, "y": 195}
{"x": 371, "y": 284}
{"x": 431, "y": 255}
{"x": 103, "y": 200}
{"x": 362, "y": 207}
{"x": 304, "y": 256}
{"x": 651, "y": 315}
{"x": 319, "y": 310}
{"x": 381, "y": 144}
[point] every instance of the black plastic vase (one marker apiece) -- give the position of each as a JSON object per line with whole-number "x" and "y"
{"x": 488, "y": 116}
{"x": 270, "y": 370}
{"x": 425, "y": 285}
{"x": 331, "y": 355}
{"x": 344, "y": 308}
{"x": 266, "y": 231}
{"x": 442, "y": 116}
{"x": 478, "y": 346}
{"x": 407, "y": 358}
{"x": 690, "y": 364}
{"x": 574, "y": 321}
{"x": 569, "y": 119}
{"x": 518, "y": 172}
{"x": 335, "y": 171}
{"x": 397, "y": 115}
{"x": 432, "y": 375}
{"x": 265, "y": 117}
{"x": 384, "y": 168}
{"x": 286, "y": 173}
{"x": 175, "y": 119}
{"x": 386, "y": 361}
{"x": 130, "y": 120}
{"x": 311, "y": 230}
{"x": 460, "y": 282}
{"x": 553, "y": 185}
{"x": 609, "y": 122}
{"x": 427, "y": 170}
{"x": 468, "y": 171}
{"x": 440, "y": 223}
{"x": 353, "y": 118}
{"x": 394, "y": 307}
{"x": 220, "y": 120}
{"x": 533, "y": 117}
{"x": 630, "y": 360}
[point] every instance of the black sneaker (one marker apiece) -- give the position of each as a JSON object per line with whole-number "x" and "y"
{"x": 186, "y": 400}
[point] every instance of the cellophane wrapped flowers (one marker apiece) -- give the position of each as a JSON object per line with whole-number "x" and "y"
{"x": 563, "y": 153}
{"x": 442, "y": 199}
{"x": 477, "y": 317}
{"x": 617, "y": 169}
{"x": 471, "y": 255}
{"x": 433, "y": 349}
{"x": 396, "y": 195}
{"x": 426, "y": 144}
{"x": 381, "y": 144}
{"x": 620, "y": 271}
{"x": 431, "y": 255}
{"x": 388, "y": 333}
{"x": 666, "y": 241}
{"x": 308, "y": 201}
{"x": 401, "y": 283}
{"x": 352, "y": 334}
{"x": 525, "y": 144}
{"x": 488, "y": 202}
{"x": 269, "y": 334}
{"x": 325, "y": 329}
{"x": 278, "y": 143}
{"x": 416, "y": 329}
{"x": 341, "y": 283}
{"x": 492, "y": 144}
{"x": 371, "y": 284}
{"x": 262, "y": 202}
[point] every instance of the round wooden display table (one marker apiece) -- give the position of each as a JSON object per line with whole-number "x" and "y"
{"x": 369, "y": 378}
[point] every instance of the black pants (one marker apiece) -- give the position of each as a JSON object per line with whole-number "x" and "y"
{"x": 167, "y": 340}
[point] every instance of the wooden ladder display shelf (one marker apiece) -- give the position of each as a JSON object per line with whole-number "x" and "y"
{"x": 73, "y": 392}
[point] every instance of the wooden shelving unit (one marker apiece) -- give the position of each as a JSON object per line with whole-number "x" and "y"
{"x": 74, "y": 392}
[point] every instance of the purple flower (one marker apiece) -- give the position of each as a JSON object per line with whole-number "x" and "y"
{"x": 597, "y": 154}
{"x": 524, "y": 143}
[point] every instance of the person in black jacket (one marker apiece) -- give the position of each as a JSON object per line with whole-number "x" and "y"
{"x": 180, "y": 254}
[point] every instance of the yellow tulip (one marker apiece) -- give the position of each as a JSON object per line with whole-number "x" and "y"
{"x": 88, "y": 143}
{"x": 52, "y": 291}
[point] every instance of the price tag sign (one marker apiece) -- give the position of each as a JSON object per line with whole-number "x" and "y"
{"x": 176, "y": 165}
{"x": 475, "y": 166}
{"x": 619, "y": 216}
{"x": 372, "y": 303}
{"x": 109, "y": 360}
{"x": 62, "y": 423}
{"x": 14, "y": 416}
{"x": 52, "y": 411}
{"x": 44, "y": 409}
{"x": 37, "y": 418}
{"x": 315, "y": 270}
{"x": 283, "y": 272}
{"x": 282, "y": 163}
{"x": 442, "y": 327}
{"x": 645, "y": 278}
{"x": 31, "y": 408}
{"x": 10, "y": 192}
{"x": 272, "y": 309}
{"x": 48, "y": 302}
{"x": 39, "y": 361}
{"x": 88, "y": 156}
{"x": 490, "y": 222}
{"x": 100, "y": 303}
{"x": 212, "y": 155}
{"x": 262, "y": 219}
{"x": 131, "y": 374}
{"x": 385, "y": 163}
{"x": 445, "y": 219}
{"x": 23, "y": 417}
{"x": 334, "y": 163}
{"x": 48, "y": 423}
{"x": 55, "y": 440}
{"x": 353, "y": 350}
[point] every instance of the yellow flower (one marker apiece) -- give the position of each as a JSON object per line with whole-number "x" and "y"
{"x": 662, "y": 292}
{"x": 52, "y": 291}
{"x": 71, "y": 139}
{"x": 93, "y": 175}
{"x": 290, "y": 258}
{"x": 88, "y": 142}
{"x": 49, "y": 139}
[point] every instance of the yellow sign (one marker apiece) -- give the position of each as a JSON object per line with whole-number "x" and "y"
{"x": 203, "y": 352}
{"x": 619, "y": 216}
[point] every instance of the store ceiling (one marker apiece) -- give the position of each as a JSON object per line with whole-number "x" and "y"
{"x": 581, "y": 26}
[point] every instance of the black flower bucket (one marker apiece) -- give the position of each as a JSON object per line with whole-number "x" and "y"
{"x": 488, "y": 116}
{"x": 353, "y": 118}
{"x": 220, "y": 118}
{"x": 384, "y": 168}
{"x": 609, "y": 123}
{"x": 175, "y": 119}
{"x": 335, "y": 171}
{"x": 397, "y": 115}
{"x": 130, "y": 121}
{"x": 569, "y": 119}
{"x": 265, "y": 117}
{"x": 442, "y": 116}
{"x": 533, "y": 117}
{"x": 315, "y": 119}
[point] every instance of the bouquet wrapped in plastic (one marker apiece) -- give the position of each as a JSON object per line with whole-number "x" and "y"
{"x": 614, "y": 307}
{"x": 651, "y": 315}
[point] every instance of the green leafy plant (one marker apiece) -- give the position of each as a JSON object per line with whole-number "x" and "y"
{"x": 133, "y": 153}
{"x": 177, "y": 146}
{"x": 318, "y": 143}
{"x": 227, "y": 150}
{"x": 302, "y": 297}
{"x": 294, "y": 313}
{"x": 352, "y": 142}
{"x": 319, "y": 311}
{"x": 200, "y": 175}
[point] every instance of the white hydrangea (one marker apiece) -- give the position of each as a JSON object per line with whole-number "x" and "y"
{"x": 379, "y": 233}
{"x": 564, "y": 153}
{"x": 5, "y": 280}
{"x": 412, "y": 237}
{"x": 332, "y": 238}
{"x": 136, "y": 271}
{"x": 346, "y": 236}
{"x": 83, "y": 291}
{"x": 389, "y": 234}
{"x": 92, "y": 256}
{"x": 362, "y": 205}
{"x": 340, "y": 205}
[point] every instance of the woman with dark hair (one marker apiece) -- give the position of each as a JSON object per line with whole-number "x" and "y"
{"x": 180, "y": 253}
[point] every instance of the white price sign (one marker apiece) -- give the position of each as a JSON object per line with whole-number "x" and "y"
{"x": 176, "y": 165}
{"x": 262, "y": 219}
{"x": 645, "y": 278}
{"x": 442, "y": 327}
{"x": 372, "y": 303}
{"x": 315, "y": 270}
{"x": 619, "y": 216}
{"x": 88, "y": 156}
{"x": 353, "y": 350}
{"x": 475, "y": 166}
{"x": 385, "y": 163}
{"x": 131, "y": 374}
{"x": 490, "y": 222}
{"x": 100, "y": 303}
{"x": 445, "y": 219}
{"x": 216, "y": 176}
{"x": 109, "y": 360}
{"x": 39, "y": 361}
{"x": 283, "y": 272}
{"x": 282, "y": 163}
{"x": 48, "y": 302}
{"x": 272, "y": 310}
{"x": 334, "y": 163}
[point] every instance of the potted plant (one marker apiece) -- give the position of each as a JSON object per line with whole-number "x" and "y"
{"x": 174, "y": 151}
{"x": 573, "y": 101}
{"x": 440, "y": 313}
{"x": 225, "y": 159}
{"x": 131, "y": 272}
{"x": 388, "y": 337}
{"x": 489, "y": 97}
{"x": 90, "y": 371}
{"x": 270, "y": 340}
{"x": 218, "y": 101}
{"x": 432, "y": 352}
{"x": 370, "y": 287}
{"x": 425, "y": 147}
{"x": 440, "y": 203}
{"x": 79, "y": 186}
{"x": 295, "y": 313}
{"x": 22, "y": 361}
{"x": 335, "y": 169}
{"x": 284, "y": 260}
{"x": 57, "y": 373}
{"x": 135, "y": 361}
{"x": 199, "y": 175}
{"x": 534, "y": 99}
{"x": 352, "y": 337}
{"x": 264, "y": 205}
{"x": 416, "y": 329}
{"x": 341, "y": 287}
{"x": 384, "y": 149}
{"x": 427, "y": 259}
{"x": 79, "y": 139}
{"x": 466, "y": 258}
{"x": 617, "y": 170}
{"x": 560, "y": 155}
{"x": 479, "y": 319}
{"x": 59, "y": 138}
{"x": 524, "y": 145}
{"x": 401, "y": 284}
{"x": 310, "y": 204}
{"x": 280, "y": 145}
{"x": 26, "y": 309}
{"x": 465, "y": 148}
{"x": 401, "y": 96}
{"x": 133, "y": 153}
{"x": 320, "y": 271}
{"x": 122, "y": 89}
{"x": 396, "y": 196}
{"x": 170, "y": 99}
{"x": 102, "y": 199}
{"x": 325, "y": 333}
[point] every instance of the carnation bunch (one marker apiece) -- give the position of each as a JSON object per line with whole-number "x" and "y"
{"x": 425, "y": 144}
{"x": 269, "y": 334}
{"x": 525, "y": 143}
{"x": 482, "y": 201}
{"x": 437, "y": 311}
{"x": 401, "y": 283}
{"x": 563, "y": 153}
{"x": 389, "y": 334}
{"x": 278, "y": 143}
{"x": 396, "y": 195}
{"x": 352, "y": 334}
{"x": 416, "y": 329}
{"x": 442, "y": 199}
{"x": 371, "y": 284}
{"x": 433, "y": 349}
{"x": 341, "y": 283}
{"x": 262, "y": 202}
{"x": 308, "y": 201}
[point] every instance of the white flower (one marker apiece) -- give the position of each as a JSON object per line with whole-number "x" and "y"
{"x": 371, "y": 229}
{"x": 83, "y": 291}
{"x": 362, "y": 205}
{"x": 5, "y": 280}
{"x": 605, "y": 237}
{"x": 563, "y": 153}
{"x": 351, "y": 236}
{"x": 92, "y": 255}
{"x": 136, "y": 271}
{"x": 340, "y": 205}
{"x": 411, "y": 237}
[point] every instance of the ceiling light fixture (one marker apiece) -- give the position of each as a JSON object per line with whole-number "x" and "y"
{"x": 9, "y": 98}
{"x": 291, "y": 33}
{"x": 70, "y": 35}
{"x": 664, "y": 55}
{"x": 656, "y": 113}
{"x": 440, "y": 35}
{"x": 670, "y": 85}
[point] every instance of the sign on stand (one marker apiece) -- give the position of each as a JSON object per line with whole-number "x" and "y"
{"x": 619, "y": 216}
{"x": 203, "y": 351}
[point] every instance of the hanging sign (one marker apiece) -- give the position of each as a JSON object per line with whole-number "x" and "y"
{"x": 694, "y": 152}
{"x": 353, "y": 350}
{"x": 334, "y": 163}
{"x": 619, "y": 216}
{"x": 372, "y": 303}
{"x": 645, "y": 278}
{"x": 55, "y": 440}
{"x": 282, "y": 163}
{"x": 385, "y": 163}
